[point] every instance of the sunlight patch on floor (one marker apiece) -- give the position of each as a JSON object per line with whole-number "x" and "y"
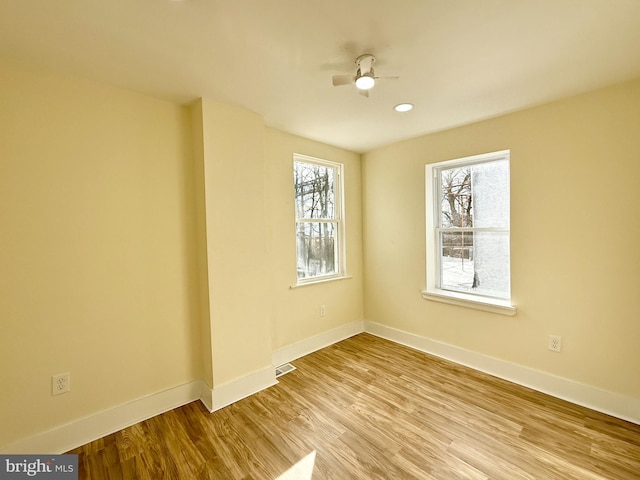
{"x": 303, "y": 470}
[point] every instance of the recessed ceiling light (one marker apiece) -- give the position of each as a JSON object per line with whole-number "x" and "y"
{"x": 403, "y": 107}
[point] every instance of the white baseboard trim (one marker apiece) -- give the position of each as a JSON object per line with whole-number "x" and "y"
{"x": 617, "y": 405}
{"x": 231, "y": 392}
{"x": 79, "y": 432}
{"x": 206, "y": 396}
{"x": 310, "y": 345}
{"x": 67, "y": 437}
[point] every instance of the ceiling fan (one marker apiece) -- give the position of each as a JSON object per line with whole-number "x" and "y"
{"x": 364, "y": 79}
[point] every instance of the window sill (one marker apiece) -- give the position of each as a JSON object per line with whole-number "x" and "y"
{"x": 320, "y": 280}
{"x": 488, "y": 304}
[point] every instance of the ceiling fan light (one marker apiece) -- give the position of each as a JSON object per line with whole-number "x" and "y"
{"x": 365, "y": 82}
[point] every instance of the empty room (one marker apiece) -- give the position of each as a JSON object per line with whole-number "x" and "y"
{"x": 320, "y": 240}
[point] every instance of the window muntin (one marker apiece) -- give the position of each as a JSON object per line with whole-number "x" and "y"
{"x": 468, "y": 227}
{"x": 319, "y": 219}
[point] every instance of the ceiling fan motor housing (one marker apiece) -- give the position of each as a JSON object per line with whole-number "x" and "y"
{"x": 365, "y": 62}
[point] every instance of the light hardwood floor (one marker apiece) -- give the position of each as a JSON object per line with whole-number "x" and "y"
{"x": 367, "y": 408}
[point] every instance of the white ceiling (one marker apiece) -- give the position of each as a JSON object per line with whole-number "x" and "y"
{"x": 458, "y": 60}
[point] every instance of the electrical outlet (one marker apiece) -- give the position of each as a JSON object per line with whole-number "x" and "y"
{"x": 60, "y": 383}
{"x": 323, "y": 311}
{"x": 555, "y": 343}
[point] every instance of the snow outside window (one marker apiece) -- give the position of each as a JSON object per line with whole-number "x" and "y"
{"x": 319, "y": 219}
{"x": 468, "y": 258}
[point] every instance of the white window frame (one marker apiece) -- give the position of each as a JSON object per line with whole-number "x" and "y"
{"x": 339, "y": 222}
{"x": 433, "y": 270}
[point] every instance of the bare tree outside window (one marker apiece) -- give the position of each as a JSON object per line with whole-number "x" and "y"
{"x": 456, "y": 197}
{"x": 317, "y": 219}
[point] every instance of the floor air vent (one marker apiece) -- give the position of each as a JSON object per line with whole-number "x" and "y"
{"x": 282, "y": 369}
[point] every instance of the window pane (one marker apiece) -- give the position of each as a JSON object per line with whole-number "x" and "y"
{"x": 475, "y": 262}
{"x": 314, "y": 191}
{"x": 475, "y": 195}
{"x": 316, "y": 249}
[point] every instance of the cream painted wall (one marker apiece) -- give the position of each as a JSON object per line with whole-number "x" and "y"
{"x": 97, "y": 254}
{"x": 146, "y": 245}
{"x": 575, "y": 173}
{"x": 296, "y": 312}
{"x": 201, "y": 242}
{"x": 237, "y": 245}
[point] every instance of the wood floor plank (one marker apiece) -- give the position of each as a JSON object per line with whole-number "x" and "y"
{"x": 367, "y": 408}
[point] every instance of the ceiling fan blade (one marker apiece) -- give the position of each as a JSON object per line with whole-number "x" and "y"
{"x": 364, "y": 93}
{"x": 343, "y": 80}
{"x": 387, "y": 78}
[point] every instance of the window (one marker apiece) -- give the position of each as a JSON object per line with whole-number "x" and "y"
{"x": 319, "y": 219}
{"x": 468, "y": 260}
